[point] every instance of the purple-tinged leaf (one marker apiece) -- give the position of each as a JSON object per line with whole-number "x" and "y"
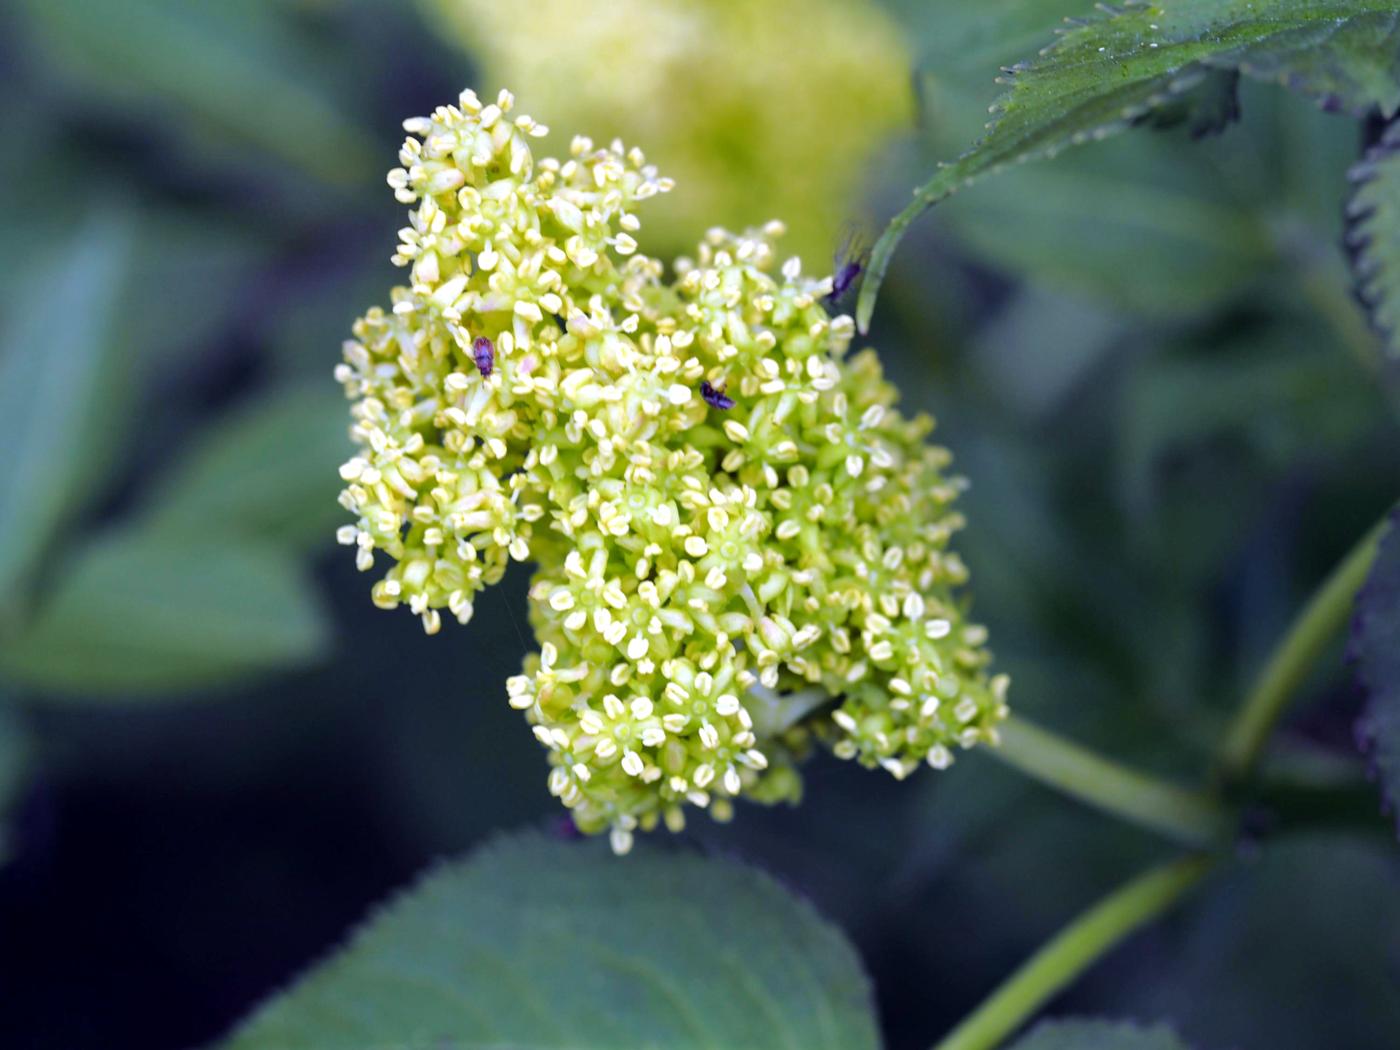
{"x": 1375, "y": 651}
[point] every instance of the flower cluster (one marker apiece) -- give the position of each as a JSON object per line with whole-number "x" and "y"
{"x": 742, "y": 547}
{"x": 749, "y": 127}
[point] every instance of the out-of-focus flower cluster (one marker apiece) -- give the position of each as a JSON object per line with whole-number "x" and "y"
{"x": 758, "y": 109}
{"x": 742, "y": 547}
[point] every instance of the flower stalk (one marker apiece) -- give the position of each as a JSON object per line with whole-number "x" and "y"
{"x": 1293, "y": 658}
{"x": 1191, "y": 818}
{"x": 1074, "y": 949}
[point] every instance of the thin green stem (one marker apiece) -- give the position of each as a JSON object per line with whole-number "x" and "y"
{"x": 1293, "y": 658}
{"x": 1188, "y": 817}
{"x": 1191, "y": 817}
{"x": 1072, "y": 950}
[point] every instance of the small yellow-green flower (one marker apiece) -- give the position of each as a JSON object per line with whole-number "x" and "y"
{"x": 776, "y": 107}
{"x": 741, "y": 546}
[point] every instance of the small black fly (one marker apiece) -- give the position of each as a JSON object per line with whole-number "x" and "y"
{"x": 484, "y": 354}
{"x": 714, "y": 397}
{"x": 847, "y": 266}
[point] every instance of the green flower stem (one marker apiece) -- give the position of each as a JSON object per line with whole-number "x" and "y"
{"x": 1187, "y": 816}
{"x": 1071, "y": 952}
{"x": 1184, "y": 816}
{"x": 1293, "y": 658}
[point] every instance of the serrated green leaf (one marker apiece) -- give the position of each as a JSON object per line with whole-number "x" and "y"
{"x": 230, "y": 69}
{"x": 55, "y": 356}
{"x": 1154, "y": 226}
{"x": 1375, "y": 650}
{"x": 552, "y": 945}
{"x": 1373, "y": 236}
{"x": 1345, "y": 56}
{"x": 268, "y": 471}
{"x": 142, "y": 613}
{"x": 1088, "y": 1034}
{"x": 1104, "y": 75}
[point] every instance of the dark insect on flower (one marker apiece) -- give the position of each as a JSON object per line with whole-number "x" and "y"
{"x": 848, "y": 265}
{"x": 484, "y": 354}
{"x": 715, "y": 398}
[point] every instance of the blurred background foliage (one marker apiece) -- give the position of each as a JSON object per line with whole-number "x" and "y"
{"x": 214, "y": 752}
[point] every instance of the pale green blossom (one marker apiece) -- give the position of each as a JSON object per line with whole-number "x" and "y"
{"x": 757, "y": 107}
{"x": 705, "y": 577}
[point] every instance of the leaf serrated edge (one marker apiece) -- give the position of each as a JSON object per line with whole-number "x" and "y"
{"x": 1296, "y": 83}
{"x": 1102, "y": 14}
{"x": 356, "y": 932}
{"x": 932, "y": 191}
{"x": 1357, "y": 237}
{"x": 501, "y": 842}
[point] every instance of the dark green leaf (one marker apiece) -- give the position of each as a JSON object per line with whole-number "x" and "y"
{"x": 553, "y": 945}
{"x": 269, "y": 471}
{"x": 1098, "y": 1035}
{"x": 55, "y": 359}
{"x": 230, "y": 69}
{"x": 1153, "y": 226}
{"x": 1373, "y": 235}
{"x": 1108, "y": 73}
{"x": 1344, "y": 55}
{"x": 1375, "y": 648}
{"x": 141, "y": 613}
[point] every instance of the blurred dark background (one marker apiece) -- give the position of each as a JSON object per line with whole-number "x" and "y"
{"x": 215, "y": 754}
